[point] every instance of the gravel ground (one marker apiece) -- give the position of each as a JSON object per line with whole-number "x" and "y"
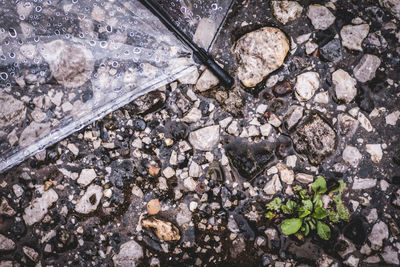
{"x": 182, "y": 175}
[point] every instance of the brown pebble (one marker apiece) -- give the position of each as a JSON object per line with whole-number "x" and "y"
{"x": 282, "y": 88}
{"x": 153, "y": 207}
{"x": 153, "y": 170}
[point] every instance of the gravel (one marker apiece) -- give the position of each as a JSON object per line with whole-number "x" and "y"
{"x": 320, "y": 16}
{"x": 354, "y": 35}
{"x": 366, "y": 68}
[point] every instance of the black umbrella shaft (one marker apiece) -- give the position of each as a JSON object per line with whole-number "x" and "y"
{"x": 200, "y": 53}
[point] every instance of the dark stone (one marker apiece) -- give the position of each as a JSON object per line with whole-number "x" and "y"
{"x": 177, "y": 130}
{"x": 249, "y": 159}
{"x": 121, "y": 173}
{"x": 307, "y": 250}
{"x": 332, "y": 51}
{"x": 244, "y": 226}
{"x": 356, "y": 231}
{"x": 284, "y": 147}
{"x": 365, "y": 99}
{"x": 396, "y": 180}
{"x": 147, "y": 103}
{"x": 282, "y": 88}
{"x": 139, "y": 125}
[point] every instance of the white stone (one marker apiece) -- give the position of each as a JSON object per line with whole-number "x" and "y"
{"x": 392, "y": 118}
{"x": 195, "y": 170}
{"x": 168, "y": 172}
{"x": 205, "y": 138}
{"x": 193, "y": 206}
{"x": 190, "y": 184}
{"x": 291, "y": 161}
{"x": 233, "y": 128}
{"x": 287, "y": 175}
{"x": 39, "y": 206}
{"x": 274, "y": 121}
{"x": 352, "y": 156}
{"x": 206, "y": 81}
{"x": 379, "y": 233}
{"x": 304, "y": 178}
{"x": 191, "y": 77}
{"x": 390, "y": 255}
{"x": 261, "y": 108}
{"x": 108, "y": 193}
{"x": 366, "y": 183}
{"x": 364, "y": 121}
{"x": 322, "y": 97}
{"x": 266, "y": 129}
{"x": 310, "y": 47}
{"x": 306, "y": 85}
{"x": 384, "y": 185}
{"x": 303, "y": 38}
{"x": 372, "y": 216}
{"x": 320, "y": 16}
{"x": 73, "y": 148}
{"x": 6, "y": 244}
{"x": 375, "y": 150}
{"x": 129, "y": 254}
{"x": 86, "y": 177}
{"x": 293, "y": 116}
{"x": 345, "y": 86}
{"x": 347, "y": 124}
{"x": 90, "y": 200}
{"x": 286, "y": 11}
{"x": 272, "y": 170}
{"x": 352, "y": 261}
{"x": 202, "y": 35}
{"x": 273, "y": 186}
{"x": 353, "y": 36}
{"x": 253, "y": 131}
{"x": 18, "y": 190}
{"x": 225, "y": 122}
{"x": 259, "y": 53}
{"x": 194, "y": 115}
{"x": 31, "y": 253}
{"x": 366, "y": 68}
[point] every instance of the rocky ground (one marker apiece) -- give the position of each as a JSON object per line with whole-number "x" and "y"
{"x": 182, "y": 175}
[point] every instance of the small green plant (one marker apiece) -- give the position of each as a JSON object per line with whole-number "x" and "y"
{"x": 307, "y": 213}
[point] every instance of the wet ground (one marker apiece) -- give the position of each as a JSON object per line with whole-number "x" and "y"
{"x": 209, "y": 158}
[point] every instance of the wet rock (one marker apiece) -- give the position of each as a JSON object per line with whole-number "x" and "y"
{"x": 90, "y": 200}
{"x": 332, "y": 51}
{"x": 294, "y": 115}
{"x": 366, "y": 183}
{"x": 86, "y": 177}
{"x": 153, "y": 207}
{"x": 5, "y": 208}
{"x": 304, "y": 178}
{"x": 32, "y": 132}
{"x": 306, "y": 85}
{"x": 205, "y": 138}
{"x": 6, "y": 244}
{"x": 375, "y": 150}
{"x": 247, "y": 158}
{"x": 31, "y": 253}
{"x": 12, "y": 110}
{"x": 286, "y": 174}
{"x": 206, "y": 81}
{"x": 315, "y": 138}
{"x": 392, "y": 5}
{"x": 286, "y": 11}
{"x": 366, "y": 68}
{"x": 282, "y": 89}
{"x": 259, "y": 53}
{"x": 345, "y": 86}
{"x": 353, "y": 36}
{"x": 390, "y": 255}
{"x": 320, "y": 16}
{"x": 164, "y": 230}
{"x": 39, "y": 206}
{"x": 273, "y": 186}
{"x": 129, "y": 254}
{"x": 379, "y": 233}
{"x": 71, "y": 65}
{"x": 352, "y": 156}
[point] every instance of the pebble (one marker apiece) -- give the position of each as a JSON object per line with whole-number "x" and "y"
{"x": 345, "y": 86}
{"x": 332, "y": 51}
{"x": 304, "y": 178}
{"x": 164, "y": 230}
{"x": 392, "y": 5}
{"x": 153, "y": 207}
{"x": 190, "y": 184}
{"x": 86, "y": 177}
{"x": 286, "y": 174}
{"x": 353, "y": 36}
{"x": 195, "y": 170}
{"x": 366, "y": 68}
{"x": 18, "y": 190}
{"x": 306, "y": 85}
{"x": 352, "y": 261}
{"x": 282, "y": 89}
{"x": 375, "y": 150}
{"x": 310, "y": 47}
{"x": 39, "y": 206}
{"x": 273, "y": 186}
{"x": 286, "y": 11}
{"x": 90, "y": 200}
{"x": 31, "y": 253}
{"x": 322, "y": 97}
{"x": 390, "y": 255}
{"x": 293, "y": 116}
{"x": 107, "y": 193}
{"x": 191, "y": 77}
{"x": 274, "y": 121}
{"x": 129, "y": 254}
{"x": 168, "y": 172}
{"x": 392, "y": 118}
{"x": 352, "y": 156}
{"x": 266, "y": 129}
{"x": 379, "y": 233}
{"x": 364, "y": 121}
{"x": 205, "y": 138}
{"x": 320, "y": 16}
{"x": 6, "y": 244}
{"x": 193, "y": 206}
{"x": 74, "y": 149}
{"x": 206, "y": 81}
{"x": 5, "y": 208}
{"x": 259, "y": 53}
{"x": 359, "y": 183}
{"x": 193, "y": 116}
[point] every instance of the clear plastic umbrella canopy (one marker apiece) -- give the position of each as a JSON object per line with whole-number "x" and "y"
{"x": 66, "y": 63}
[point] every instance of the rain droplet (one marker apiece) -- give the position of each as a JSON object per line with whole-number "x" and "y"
{"x": 12, "y": 32}
{"x": 103, "y": 44}
{"x": 3, "y": 76}
{"x": 38, "y": 9}
{"x": 136, "y": 50}
{"x": 214, "y": 6}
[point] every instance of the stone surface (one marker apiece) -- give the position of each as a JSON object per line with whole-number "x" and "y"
{"x": 206, "y": 81}
{"x": 31, "y": 253}
{"x": 164, "y": 230}
{"x": 286, "y": 11}
{"x": 315, "y": 138}
{"x": 392, "y": 5}
{"x": 12, "y": 110}
{"x": 332, "y": 51}
{"x": 273, "y": 186}
{"x": 354, "y": 35}
{"x": 90, "y": 200}
{"x": 392, "y": 118}
{"x": 390, "y": 255}
{"x": 6, "y": 244}
{"x": 375, "y": 150}
{"x": 286, "y": 174}
{"x": 153, "y": 207}
{"x": 304, "y": 178}
{"x": 5, "y": 208}
{"x": 294, "y": 115}
{"x": 205, "y": 138}
{"x": 129, "y": 254}
{"x": 345, "y": 86}
{"x": 86, "y": 177}
{"x": 320, "y": 16}
{"x": 259, "y": 53}
{"x": 347, "y": 124}
{"x": 378, "y": 233}
{"x": 39, "y": 206}
{"x": 363, "y": 183}
{"x": 366, "y": 68}
{"x": 352, "y": 156}
{"x": 306, "y": 85}
{"x": 193, "y": 116}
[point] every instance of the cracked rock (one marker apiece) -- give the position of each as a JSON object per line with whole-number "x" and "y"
{"x": 345, "y": 86}
{"x": 259, "y": 53}
{"x": 205, "y": 138}
{"x": 320, "y": 16}
{"x": 366, "y": 68}
{"x": 39, "y": 206}
{"x": 306, "y": 85}
{"x": 129, "y": 254}
{"x": 353, "y": 36}
{"x": 90, "y": 200}
{"x": 286, "y": 11}
{"x": 352, "y": 156}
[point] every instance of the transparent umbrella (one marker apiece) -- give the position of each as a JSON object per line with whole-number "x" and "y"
{"x": 67, "y": 63}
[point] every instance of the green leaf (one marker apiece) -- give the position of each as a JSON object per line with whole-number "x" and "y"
{"x": 333, "y": 216}
{"x": 319, "y": 185}
{"x": 291, "y": 226}
{"x": 318, "y": 203}
{"x": 306, "y": 229}
{"x": 342, "y": 186}
{"x": 323, "y": 230}
{"x": 303, "y": 212}
{"x": 303, "y": 194}
{"x": 320, "y": 213}
{"x": 343, "y": 212}
{"x": 307, "y": 204}
{"x": 290, "y": 207}
{"x": 275, "y": 204}
{"x": 270, "y": 215}
{"x": 312, "y": 225}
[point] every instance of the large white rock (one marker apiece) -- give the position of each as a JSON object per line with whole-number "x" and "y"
{"x": 206, "y": 81}
{"x": 375, "y": 150}
{"x": 352, "y": 156}
{"x": 320, "y": 16}
{"x": 286, "y": 11}
{"x": 39, "y": 206}
{"x": 6, "y": 244}
{"x": 259, "y": 53}
{"x": 366, "y": 68}
{"x": 129, "y": 254}
{"x": 287, "y": 175}
{"x": 353, "y": 36}
{"x": 90, "y": 200}
{"x": 379, "y": 233}
{"x": 360, "y": 183}
{"x": 345, "y": 86}
{"x": 273, "y": 186}
{"x": 205, "y": 138}
{"x": 392, "y": 118}
{"x": 86, "y": 177}
{"x": 306, "y": 85}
